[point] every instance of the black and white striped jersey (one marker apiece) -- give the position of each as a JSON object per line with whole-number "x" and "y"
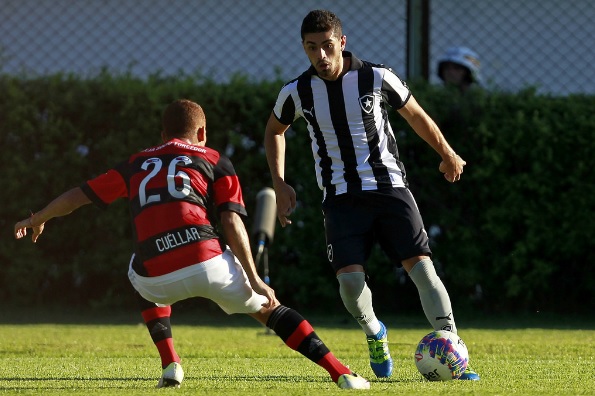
{"x": 353, "y": 144}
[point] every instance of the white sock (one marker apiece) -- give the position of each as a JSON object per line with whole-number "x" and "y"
{"x": 357, "y": 298}
{"x": 433, "y": 295}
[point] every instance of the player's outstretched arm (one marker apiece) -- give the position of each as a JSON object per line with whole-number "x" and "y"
{"x": 61, "y": 206}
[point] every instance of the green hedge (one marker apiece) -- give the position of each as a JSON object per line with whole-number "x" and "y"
{"x": 519, "y": 224}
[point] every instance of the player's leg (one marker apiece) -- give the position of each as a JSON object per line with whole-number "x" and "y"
{"x": 230, "y": 289}
{"x": 157, "y": 320}
{"x": 349, "y": 236}
{"x": 402, "y": 234}
{"x": 298, "y": 334}
{"x": 434, "y": 299}
{"x": 357, "y": 297}
{"x": 433, "y": 295}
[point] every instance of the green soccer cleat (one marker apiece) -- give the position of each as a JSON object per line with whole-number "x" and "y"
{"x": 380, "y": 360}
{"x": 469, "y": 375}
{"x": 172, "y": 377}
{"x": 352, "y": 381}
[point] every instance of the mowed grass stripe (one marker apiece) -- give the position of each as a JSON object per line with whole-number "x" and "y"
{"x": 244, "y": 360}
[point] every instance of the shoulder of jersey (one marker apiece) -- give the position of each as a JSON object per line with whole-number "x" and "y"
{"x": 377, "y": 65}
{"x": 306, "y": 74}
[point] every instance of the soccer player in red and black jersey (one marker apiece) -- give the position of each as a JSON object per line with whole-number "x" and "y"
{"x": 177, "y": 192}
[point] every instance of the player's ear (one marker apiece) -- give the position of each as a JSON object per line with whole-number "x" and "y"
{"x": 343, "y": 42}
{"x": 201, "y": 134}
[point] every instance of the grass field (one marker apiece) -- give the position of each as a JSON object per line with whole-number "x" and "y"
{"x": 73, "y": 353}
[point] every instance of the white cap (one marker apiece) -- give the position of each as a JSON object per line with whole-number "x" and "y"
{"x": 461, "y": 56}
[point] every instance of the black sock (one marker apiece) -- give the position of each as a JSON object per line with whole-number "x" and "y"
{"x": 297, "y": 333}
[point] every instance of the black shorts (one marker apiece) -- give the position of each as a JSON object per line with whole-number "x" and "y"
{"x": 354, "y": 222}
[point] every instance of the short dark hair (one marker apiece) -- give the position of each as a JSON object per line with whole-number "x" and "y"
{"x": 183, "y": 118}
{"x": 318, "y": 21}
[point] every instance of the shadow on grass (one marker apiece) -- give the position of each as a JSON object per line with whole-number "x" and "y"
{"x": 204, "y": 312}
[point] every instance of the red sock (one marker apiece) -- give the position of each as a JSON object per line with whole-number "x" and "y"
{"x": 298, "y": 334}
{"x": 158, "y": 323}
{"x": 334, "y": 367}
{"x": 167, "y": 352}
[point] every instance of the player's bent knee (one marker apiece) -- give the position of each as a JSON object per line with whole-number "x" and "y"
{"x": 351, "y": 284}
{"x": 409, "y": 263}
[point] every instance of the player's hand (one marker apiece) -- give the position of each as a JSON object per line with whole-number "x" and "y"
{"x": 286, "y": 199}
{"x": 262, "y": 288}
{"x": 20, "y": 229}
{"x": 452, "y": 167}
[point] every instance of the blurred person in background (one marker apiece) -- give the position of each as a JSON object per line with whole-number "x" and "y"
{"x": 459, "y": 67}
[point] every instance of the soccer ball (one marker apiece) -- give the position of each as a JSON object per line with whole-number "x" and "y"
{"x": 441, "y": 356}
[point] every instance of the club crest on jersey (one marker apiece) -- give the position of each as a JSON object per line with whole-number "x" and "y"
{"x": 367, "y": 103}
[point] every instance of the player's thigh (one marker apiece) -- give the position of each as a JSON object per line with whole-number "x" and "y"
{"x": 400, "y": 229}
{"x": 230, "y": 288}
{"x": 168, "y": 288}
{"x": 348, "y": 230}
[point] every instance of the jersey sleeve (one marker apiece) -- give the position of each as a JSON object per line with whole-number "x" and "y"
{"x": 284, "y": 109}
{"x": 105, "y": 188}
{"x": 394, "y": 90}
{"x": 227, "y": 192}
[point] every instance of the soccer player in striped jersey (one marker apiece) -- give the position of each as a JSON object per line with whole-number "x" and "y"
{"x": 366, "y": 199}
{"x": 177, "y": 193}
